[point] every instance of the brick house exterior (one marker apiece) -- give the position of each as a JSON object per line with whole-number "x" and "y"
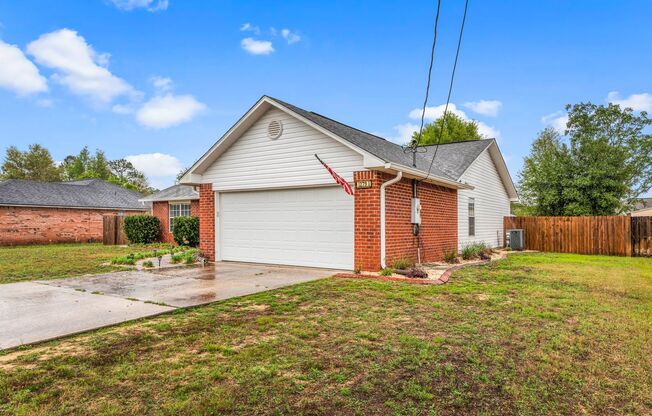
{"x": 161, "y": 209}
{"x": 265, "y": 197}
{"x": 438, "y": 230}
{"x": 33, "y": 212}
{"x": 35, "y": 225}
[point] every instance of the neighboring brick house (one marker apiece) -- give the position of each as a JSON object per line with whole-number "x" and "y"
{"x": 33, "y": 212}
{"x": 175, "y": 201}
{"x": 264, "y": 197}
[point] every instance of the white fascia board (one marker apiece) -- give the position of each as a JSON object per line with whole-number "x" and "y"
{"x": 368, "y": 158}
{"x": 413, "y": 173}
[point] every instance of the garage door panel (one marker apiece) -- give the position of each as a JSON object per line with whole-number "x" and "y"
{"x": 307, "y": 227}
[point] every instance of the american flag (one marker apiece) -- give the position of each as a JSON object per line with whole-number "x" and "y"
{"x": 343, "y": 183}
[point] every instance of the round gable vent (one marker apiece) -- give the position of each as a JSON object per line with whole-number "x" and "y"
{"x": 274, "y": 129}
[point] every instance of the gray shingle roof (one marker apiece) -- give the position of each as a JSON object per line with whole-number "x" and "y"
{"x": 452, "y": 158}
{"x": 173, "y": 193}
{"x": 644, "y": 203}
{"x": 88, "y": 193}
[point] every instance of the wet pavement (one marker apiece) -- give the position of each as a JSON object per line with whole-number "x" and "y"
{"x": 42, "y": 310}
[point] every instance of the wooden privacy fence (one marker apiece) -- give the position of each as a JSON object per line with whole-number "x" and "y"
{"x": 583, "y": 235}
{"x": 113, "y": 231}
{"x": 642, "y": 236}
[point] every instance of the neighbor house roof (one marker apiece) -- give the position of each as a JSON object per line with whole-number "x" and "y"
{"x": 89, "y": 193}
{"x": 644, "y": 203}
{"x": 452, "y": 159}
{"x": 173, "y": 193}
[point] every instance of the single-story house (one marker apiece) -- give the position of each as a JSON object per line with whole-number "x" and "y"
{"x": 264, "y": 197}
{"x": 643, "y": 208}
{"x": 175, "y": 201}
{"x": 33, "y": 212}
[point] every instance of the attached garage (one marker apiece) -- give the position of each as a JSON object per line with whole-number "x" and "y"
{"x": 266, "y": 197}
{"x": 303, "y": 227}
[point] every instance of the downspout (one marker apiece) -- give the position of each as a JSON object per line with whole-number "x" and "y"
{"x": 382, "y": 215}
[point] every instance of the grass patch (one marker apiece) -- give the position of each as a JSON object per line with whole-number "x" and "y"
{"x": 23, "y": 263}
{"x": 533, "y": 334}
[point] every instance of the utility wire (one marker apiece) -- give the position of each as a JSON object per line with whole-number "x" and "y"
{"x": 450, "y": 90}
{"x": 415, "y": 142}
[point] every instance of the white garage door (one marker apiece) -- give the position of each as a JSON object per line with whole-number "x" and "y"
{"x": 303, "y": 227}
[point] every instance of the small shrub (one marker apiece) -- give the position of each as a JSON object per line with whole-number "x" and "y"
{"x": 186, "y": 231}
{"x": 357, "y": 269}
{"x": 450, "y": 256}
{"x": 142, "y": 229}
{"x": 148, "y": 263}
{"x": 387, "y": 271}
{"x": 402, "y": 263}
{"x": 176, "y": 258}
{"x": 473, "y": 250}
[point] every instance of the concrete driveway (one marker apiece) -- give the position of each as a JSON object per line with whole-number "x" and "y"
{"x": 46, "y": 309}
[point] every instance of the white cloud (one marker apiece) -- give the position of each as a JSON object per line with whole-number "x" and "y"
{"x": 123, "y": 108}
{"x": 248, "y": 27}
{"x": 168, "y": 110}
{"x": 19, "y": 74}
{"x": 637, "y": 102}
{"x": 290, "y": 36}
{"x": 488, "y": 108}
{"x": 257, "y": 47}
{"x": 78, "y": 66}
{"x": 45, "y": 102}
{"x": 150, "y": 5}
{"x": 156, "y": 164}
{"x": 556, "y": 120}
{"x": 162, "y": 84}
{"x": 433, "y": 113}
{"x": 404, "y": 132}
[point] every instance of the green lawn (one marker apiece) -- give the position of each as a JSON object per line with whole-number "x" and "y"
{"x": 53, "y": 261}
{"x": 534, "y": 334}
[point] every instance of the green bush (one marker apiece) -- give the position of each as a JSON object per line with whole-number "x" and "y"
{"x": 148, "y": 263}
{"x": 473, "y": 250}
{"x": 142, "y": 229}
{"x": 186, "y": 231}
{"x": 450, "y": 256}
{"x": 402, "y": 263}
{"x": 387, "y": 271}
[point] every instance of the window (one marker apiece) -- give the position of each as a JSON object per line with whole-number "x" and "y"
{"x": 178, "y": 210}
{"x": 471, "y": 217}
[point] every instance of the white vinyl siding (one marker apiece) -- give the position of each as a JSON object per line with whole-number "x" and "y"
{"x": 491, "y": 203}
{"x": 255, "y": 161}
{"x": 302, "y": 227}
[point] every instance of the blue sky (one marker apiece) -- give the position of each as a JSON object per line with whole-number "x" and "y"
{"x": 160, "y": 81}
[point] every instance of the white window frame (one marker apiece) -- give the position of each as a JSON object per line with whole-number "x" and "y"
{"x": 471, "y": 217}
{"x": 181, "y": 209}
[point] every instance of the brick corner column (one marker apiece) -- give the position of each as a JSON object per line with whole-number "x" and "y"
{"x": 207, "y": 221}
{"x": 367, "y": 222}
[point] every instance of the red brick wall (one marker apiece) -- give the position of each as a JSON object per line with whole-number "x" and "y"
{"x": 23, "y": 225}
{"x": 438, "y": 221}
{"x": 207, "y": 221}
{"x": 161, "y": 209}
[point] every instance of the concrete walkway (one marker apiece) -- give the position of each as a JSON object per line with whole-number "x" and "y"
{"x": 46, "y": 309}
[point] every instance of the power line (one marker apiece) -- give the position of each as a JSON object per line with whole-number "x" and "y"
{"x": 450, "y": 90}
{"x": 415, "y": 142}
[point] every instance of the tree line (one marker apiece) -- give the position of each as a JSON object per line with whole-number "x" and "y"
{"x": 36, "y": 163}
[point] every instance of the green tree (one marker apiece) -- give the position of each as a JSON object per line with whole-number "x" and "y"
{"x": 455, "y": 129}
{"x": 36, "y": 163}
{"x": 124, "y": 173}
{"x": 180, "y": 175}
{"x": 600, "y": 168}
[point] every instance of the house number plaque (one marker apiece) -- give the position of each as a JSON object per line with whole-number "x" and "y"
{"x": 362, "y": 184}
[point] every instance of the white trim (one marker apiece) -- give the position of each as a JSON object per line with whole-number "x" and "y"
{"x": 185, "y": 198}
{"x": 217, "y": 202}
{"x": 383, "y": 215}
{"x": 179, "y": 201}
